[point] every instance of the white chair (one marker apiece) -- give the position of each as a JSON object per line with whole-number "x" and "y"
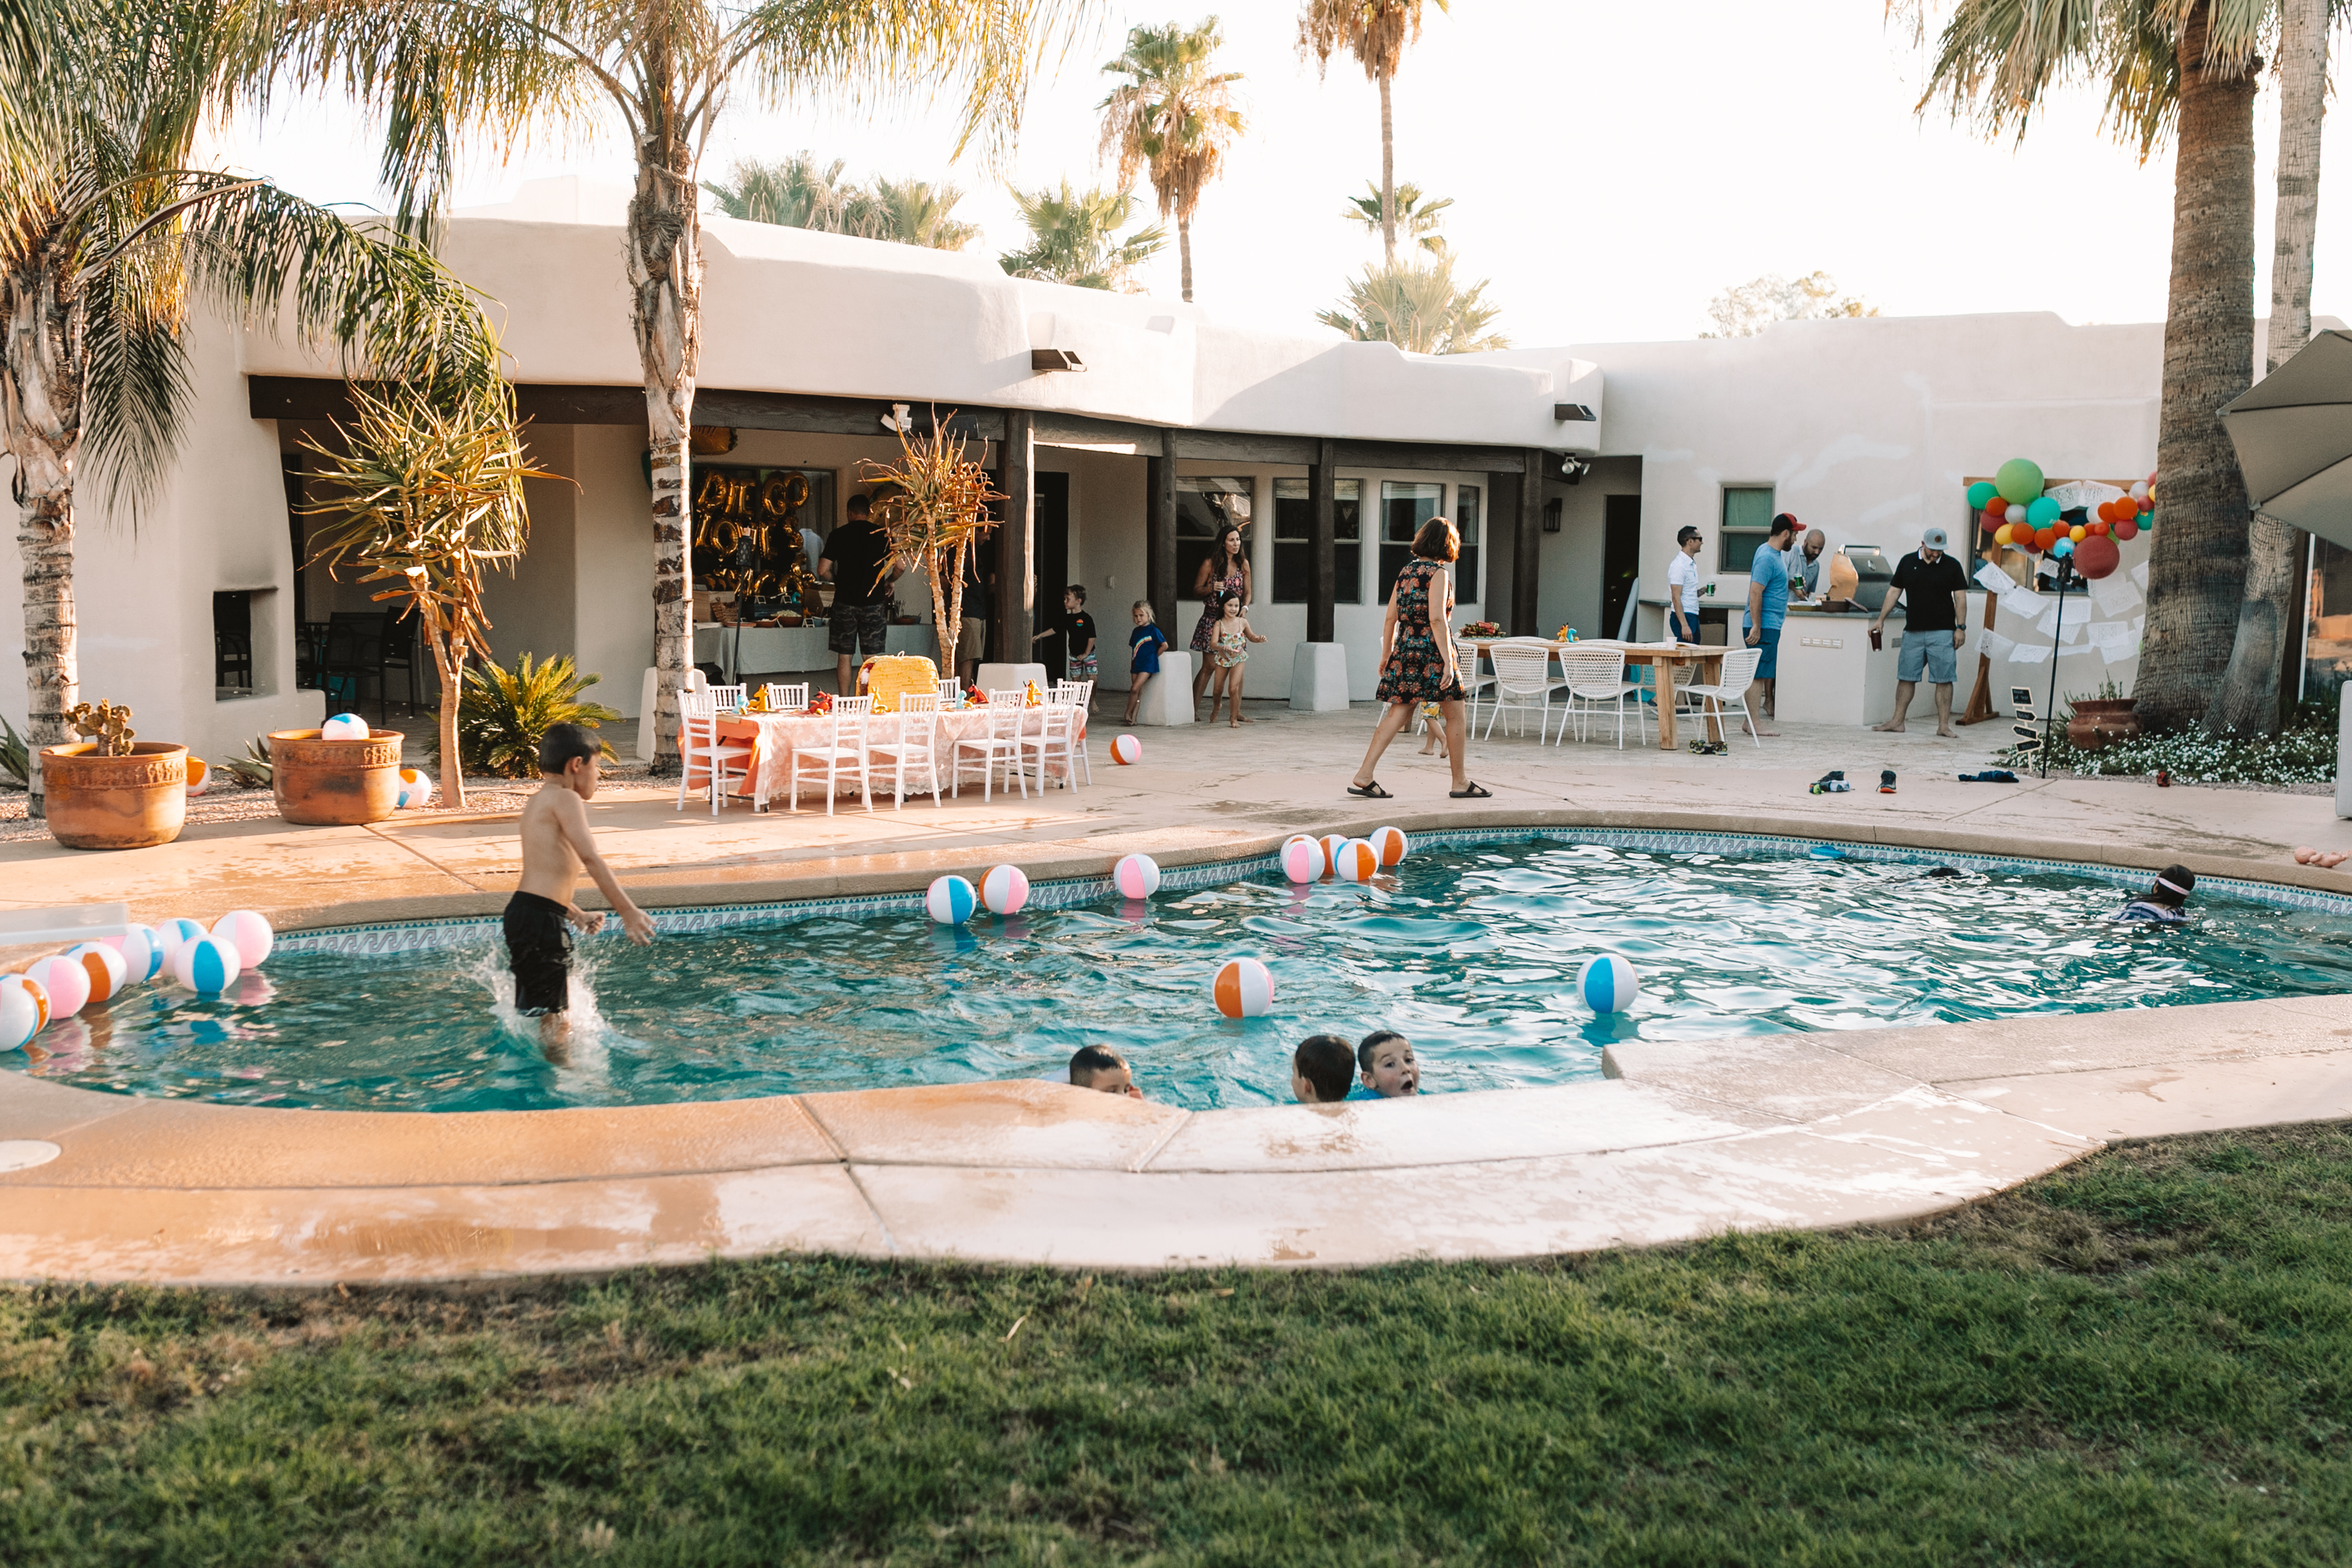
{"x": 784, "y": 698}
{"x": 729, "y": 698}
{"x": 917, "y": 746}
{"x": 1476, "y": 680}
{"x": 729, "y": 762}
{"x": 1523, "y": 681}
{"x": 1075, "y": 696}
{"x": 1731, "y": 686}
{"x": 997, "y": 743}
{"x": 1057, "y": 728}
{"x": 844, "y": 747}
{"x": 950, "y": 693}
{"x": 1597, "y": 675}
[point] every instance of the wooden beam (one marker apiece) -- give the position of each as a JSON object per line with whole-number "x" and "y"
{"x": 1084, "y": 430}
{"x": 1322, "y": 574}
{"x": 1241, "y": 446}
{"x": 326, "y": 397}
{"x": 1016, "y": 550}
{"x": 1159, "y": 535}
{"x": 1409, "y": 457}
{"x": 1527, "y": 544}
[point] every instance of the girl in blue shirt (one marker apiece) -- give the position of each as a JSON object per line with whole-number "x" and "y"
{"x": 1146, "y": 640}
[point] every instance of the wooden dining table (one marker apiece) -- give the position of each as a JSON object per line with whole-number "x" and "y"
{"x": 1667, "y": 658}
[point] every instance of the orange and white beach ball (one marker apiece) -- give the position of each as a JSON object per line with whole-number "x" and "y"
{"x": 248, "y": 933}
{"x": 24, "y": 1011}
{"x": 1302, "y": 860}
{"x": 109, "y": 976}
{"x": 64, "y": 981}
{"x": 1332, "y": 844}
{"x": 1004, "y": 889}
{"x": 416, "y": 789}
{"x": 1244, "y": 988}
{"x": 1125, "y": 751}
{"x": 1356, "y": 862}
{"x": 1391, "y": 844}
{"x": 1136, "y": 877}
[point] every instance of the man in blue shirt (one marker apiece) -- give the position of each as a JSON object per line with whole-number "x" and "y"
{"x": 1768, "y": 606}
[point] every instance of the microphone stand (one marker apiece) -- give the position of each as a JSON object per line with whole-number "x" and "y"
{"x": 2057, "y": 631}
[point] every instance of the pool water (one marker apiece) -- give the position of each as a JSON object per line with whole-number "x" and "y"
{"x": 1472, "y": 952}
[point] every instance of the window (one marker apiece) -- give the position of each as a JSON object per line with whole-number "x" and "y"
{"x": 1294, "y": 541}
{"x": 1205, "y": 507}
{"x": 1404, "y": 506}
{"x": 1465, "y": 521}
{"x": 1747, "y": 523}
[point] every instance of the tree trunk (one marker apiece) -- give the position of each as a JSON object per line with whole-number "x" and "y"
{"x": 1388, "y": 174}
{"x": 2249, "y": 701}
{"x": 451, "y": 661}
{"x": 665, "y": 264}
{"x": 42, "y": 375}
{"x": 2198, "y": 567}
{"x": 1185, "y": 250}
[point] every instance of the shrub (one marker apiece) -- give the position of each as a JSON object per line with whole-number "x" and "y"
{"x": 504, "y": 713}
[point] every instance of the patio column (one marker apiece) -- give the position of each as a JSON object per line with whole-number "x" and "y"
{"x": 1016, "y": 550}
{"x": 1323, "y": 571}
{"x": 1159, "y": 536}
{"x": 1527, "y": 541}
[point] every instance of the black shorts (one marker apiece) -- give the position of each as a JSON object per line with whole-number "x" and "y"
{"x": 857, "y": 629}
{"x": 538, "y": 951}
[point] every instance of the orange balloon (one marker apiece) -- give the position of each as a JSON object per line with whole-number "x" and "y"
{"x": 2098, "y": 530}
{"x": 2106, "y": 511}
{"x": 2044, "y": 538}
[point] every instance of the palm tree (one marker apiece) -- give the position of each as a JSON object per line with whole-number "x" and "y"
{"x": 1172, "y": 118}
{"x": 1376, "y": 32}
{"x": 1416, "y": 217}
{"x": 1074, "y": 240}
{"x": 437, "y": 69}
{"x": 1419, "y": 308}
{"x": 109, "y": 237}
{"x": 2249, "y": 700}
{"x": 2184, "y": 69}
{"x": 800, "y": 193}
{"x": 915, "y": 212}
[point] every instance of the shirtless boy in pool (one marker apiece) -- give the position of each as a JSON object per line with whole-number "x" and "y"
{"x": 557, "y": 845}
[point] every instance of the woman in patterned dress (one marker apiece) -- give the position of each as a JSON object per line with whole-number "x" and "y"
{"x": 1227, "y": 570}
{"x": 1418, "y": 662}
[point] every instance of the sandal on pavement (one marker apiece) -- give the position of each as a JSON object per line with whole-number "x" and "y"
{"x": 1476, "y": 792}
{"x": 1371, "y": 791}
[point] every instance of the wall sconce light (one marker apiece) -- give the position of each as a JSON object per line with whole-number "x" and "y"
{"x": 1055, "y": 359}
{"x": 1576, "y": 413}
{"x": 1572, "y": 468}
{"x": 1551, "y": 514}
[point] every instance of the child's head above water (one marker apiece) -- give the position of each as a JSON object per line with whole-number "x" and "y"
{"x": 1321, "y": 1069}
{"x": 1104, "y": 1071}
{"x": 1385, "y": 1058}
{"x": 2172, "y": 887}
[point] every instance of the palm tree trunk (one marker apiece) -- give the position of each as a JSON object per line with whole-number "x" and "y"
{"x": 1387, "y": 174}
{"x": 2251, "y": 696}
{"x": 2198, "y": 567}
{"x": 41, "y": 377}
{"x": 1185, "y": 250}
{"x": 665, "y": 265}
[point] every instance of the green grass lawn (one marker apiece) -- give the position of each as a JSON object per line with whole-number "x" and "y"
{"x": 2146, "y": 1359}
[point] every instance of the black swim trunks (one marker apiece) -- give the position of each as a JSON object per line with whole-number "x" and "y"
{"x": 538, "y": 951}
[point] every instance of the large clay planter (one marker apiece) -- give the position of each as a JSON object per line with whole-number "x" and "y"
{"x": 334, "y": 783}
{"x": 2098, "y": 722}
{"x": 98, "y": 802}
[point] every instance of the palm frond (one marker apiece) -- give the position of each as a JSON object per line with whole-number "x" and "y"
{"x": 1074, "y": 238}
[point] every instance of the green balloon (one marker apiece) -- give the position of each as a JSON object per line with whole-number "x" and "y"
{"x": 2043, "y": 511}
{"x": 1981, "y": 494}
{"x": 2018, "y": 481}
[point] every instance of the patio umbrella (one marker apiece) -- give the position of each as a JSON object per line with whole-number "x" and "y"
{"x": 2293, "y": 436}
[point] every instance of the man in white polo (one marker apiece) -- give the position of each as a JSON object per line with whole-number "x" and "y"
{"x": 1935, "y": 593}
{"x": 1682, "y": 587}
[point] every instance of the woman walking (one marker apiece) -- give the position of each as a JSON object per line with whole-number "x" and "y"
{"x": 1418, "y": 661}
{"x": 1226, "y": 571}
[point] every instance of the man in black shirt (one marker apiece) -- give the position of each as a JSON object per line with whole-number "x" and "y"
{"x": 858, "y": 563}
{"x": 1934, "y": 588}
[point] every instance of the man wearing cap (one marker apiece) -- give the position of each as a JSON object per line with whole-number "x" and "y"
{"x": 1935, "y": 593}
{"x": 1682, "y": 587}
{"x": 1768, "y": 608}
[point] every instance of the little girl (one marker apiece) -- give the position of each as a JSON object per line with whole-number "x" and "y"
{"x": 1228, "y": 652}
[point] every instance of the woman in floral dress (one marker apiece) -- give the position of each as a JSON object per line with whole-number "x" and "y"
{"x": 1419, "y": 663}
{"x": 1227, "y": 570}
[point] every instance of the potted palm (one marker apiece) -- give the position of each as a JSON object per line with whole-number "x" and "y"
{"x": 109, "y": 790}
{"x": 426, "y": 495}
{"x": 931, "y": 508}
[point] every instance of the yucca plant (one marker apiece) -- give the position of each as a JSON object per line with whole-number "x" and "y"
{"x": 933, "y": 508}
{"x": 16, "y": 757}
{"x": 253, "y": 769}
{"x": 505, "y": 713}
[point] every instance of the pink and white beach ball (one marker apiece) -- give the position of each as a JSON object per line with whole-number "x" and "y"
{"x": 64, "y": 981}
{"x": 1136, "y": 877}
{"x": 1125, "y": 751}
{"x": 1302, "y": 860}
{"x": 248, "y": 933}
{"x": 1356, "y": 862}
{"x": 24, "y": 1011}
{"x": 1244, "y": 988}
{"x": 344, "y": 727}
{"x": 208, "y": 965}
{"x": 141, "y": 948}
{"x": 109, "y": 976}
{"x": 1004, "y": 889}
{"x": 949, "y": 901}
{"x": 1391, "y": 844}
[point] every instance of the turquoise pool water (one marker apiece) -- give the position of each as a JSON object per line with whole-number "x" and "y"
{"x": 1473, "y": 953}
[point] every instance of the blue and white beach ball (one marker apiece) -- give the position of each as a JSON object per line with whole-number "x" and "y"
{"x": 176, "y": 930}
{"x": 248, "y": 933}
{"x": 64, "y": 980}
{"x": 109, "y": 976}
{"x": 344, "y": 727}
{"x": 951, "y": 901}
{"x": 207, "y": 965}
{"x": 1332, "y": 844}
{"x": 416, "y": 789}
{"x": 141, "y": 948}
{"x": 1302, "y": 860}
{"x": 1136, "y": 877}
{"x": 1608, "y": 984}
{"x": 1004, "y": 889}
{"x": 24, "y": 1011}
{"x": 1244, "y": 988}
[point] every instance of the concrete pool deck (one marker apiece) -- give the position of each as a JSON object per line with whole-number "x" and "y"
{"x": 1682, "y": 1140}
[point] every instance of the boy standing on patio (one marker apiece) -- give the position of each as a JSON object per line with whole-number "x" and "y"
{"x": 557, "y": 845}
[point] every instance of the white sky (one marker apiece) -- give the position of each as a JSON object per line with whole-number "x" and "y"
{"x": 1613, "y": 166}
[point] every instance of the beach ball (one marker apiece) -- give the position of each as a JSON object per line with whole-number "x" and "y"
{"x": 200, "y": 773}
{"x": 344, "y": 727}
{"x": 207, "y": 965}
{"x": 1607, "y": 983}
{"x": 1125, "y": 751}
{"x": 951, "y": 901}
{"x": 1356, "y": 862}
{"x": 248, "y": 933}
{"x": 1244, "y": 988}
{"x": 1332, "y": 844}
{"x": 64, "y": 981}
{"x": 1004, "y": 889}
{"x": 1391, "y": 844}
{"x": 141, "y": 948}
{"x": 1302, "y": 860}
{"x": 1136, "y": 877}
{"x": 416, "y": 788}
{"x": 174, "y": 933}
{"x": 109, "y": 976}
{"x": 24, "y": 1011}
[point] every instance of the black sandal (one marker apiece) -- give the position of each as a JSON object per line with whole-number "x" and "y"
{"x": 1476, "y": 792}
{"x": 1371, "y": 791}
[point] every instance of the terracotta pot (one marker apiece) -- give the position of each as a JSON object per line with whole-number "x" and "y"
{"x": 2099, "y": 722}
{"x": 334, "y": 783}
{"x": 115, "y": 803}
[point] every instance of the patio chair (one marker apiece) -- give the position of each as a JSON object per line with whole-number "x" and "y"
{"x": 951, "y": 692}
{"x": 727, "y": 760}
{"x": 917, "y": 746}
{"x": 784, "y": 698}
{"x": 729, "y": 698}
{"x": 998, "y": 743}
{"x": 1731, "y": 686}
{"x": 843, "y": 749}
{"x": 1523, "y": 681}
{"x": 1597, "y": 675}
{"x": 1074, "y": 695}
{"x": 1056, "y": 736}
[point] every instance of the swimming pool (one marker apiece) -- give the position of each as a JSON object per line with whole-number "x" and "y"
{"x": 1472, "y": 951}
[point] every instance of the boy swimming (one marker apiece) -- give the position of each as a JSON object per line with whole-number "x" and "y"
{"x": 557, "y": 845}
{"x": 1104, "y": 1071}
{"x": 1321, "y": 1069}
{"x": 1386, "y": 1059}
{"x": 2165, "y": 902}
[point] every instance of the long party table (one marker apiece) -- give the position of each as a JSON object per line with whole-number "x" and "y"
{"x": 775, "y": 736}
{"x": 1667, "y": 658}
